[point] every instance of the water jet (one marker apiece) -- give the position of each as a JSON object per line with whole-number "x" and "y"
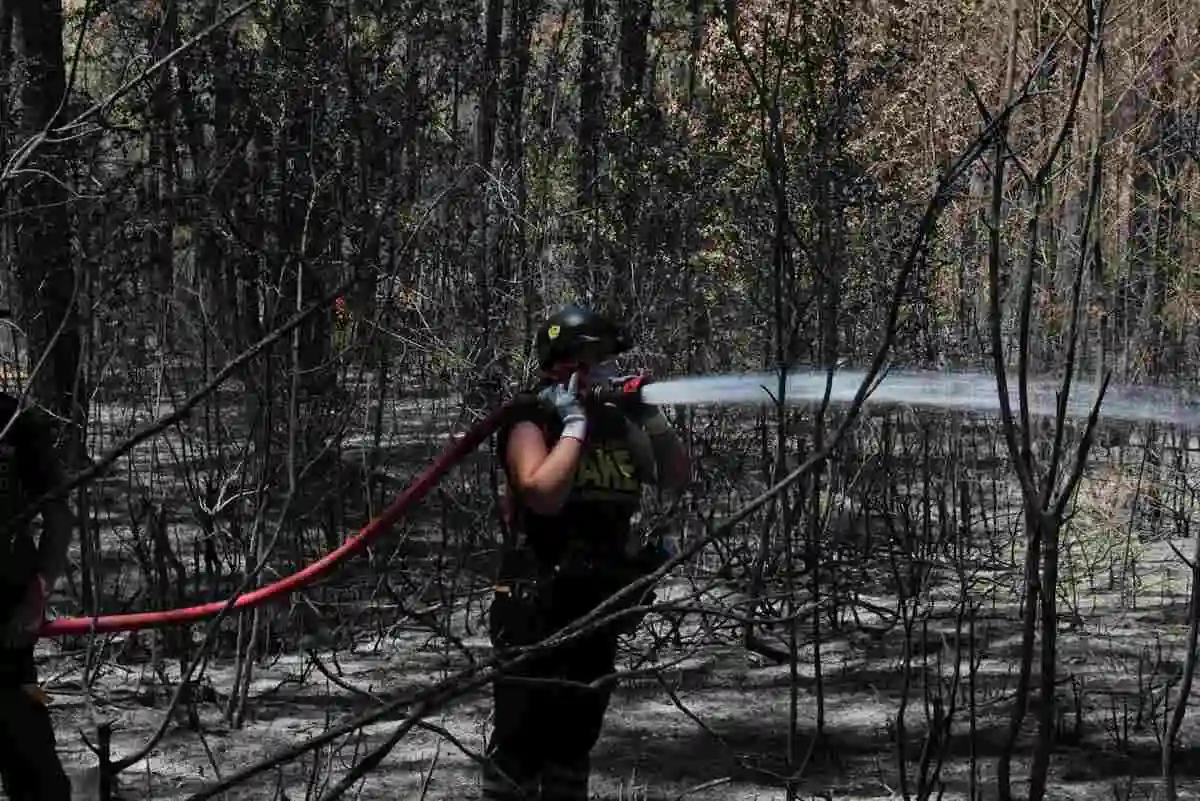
{"x": 952, "y": 391}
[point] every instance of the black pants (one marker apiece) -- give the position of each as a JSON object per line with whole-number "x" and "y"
{"x": 29, "y": 766}
{"x": 546, "y": 724}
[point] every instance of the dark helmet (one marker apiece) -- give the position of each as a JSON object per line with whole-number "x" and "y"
{"x": 574, "y": 333}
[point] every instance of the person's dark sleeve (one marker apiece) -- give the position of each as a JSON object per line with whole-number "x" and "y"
{"x": 38, "y": 458}
{"x": 41, "y": 471}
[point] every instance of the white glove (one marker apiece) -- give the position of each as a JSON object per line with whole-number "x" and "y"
{"x": 564, "y": 398}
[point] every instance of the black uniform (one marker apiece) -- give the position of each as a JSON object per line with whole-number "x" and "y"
{"x": 561, "y": 568}
{"x": 29, "y": 764}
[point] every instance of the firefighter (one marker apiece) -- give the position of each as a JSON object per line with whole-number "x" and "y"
{"x": 30, "y": 769}
{"x": 575, "y": 473}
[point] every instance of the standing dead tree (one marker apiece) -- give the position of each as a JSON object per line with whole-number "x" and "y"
{"x": 1045, "y": 492}
{"x": 40, "y": 222}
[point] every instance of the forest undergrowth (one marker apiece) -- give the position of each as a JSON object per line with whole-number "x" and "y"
{"x": 293, "y": 248}
{"x": 916, "y": 633}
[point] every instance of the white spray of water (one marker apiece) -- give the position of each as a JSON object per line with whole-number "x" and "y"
{"x": 968, "y": 392}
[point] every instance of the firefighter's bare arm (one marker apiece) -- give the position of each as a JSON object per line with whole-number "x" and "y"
{"x": 672, "y": 466}
{"x": 544, "y": 477}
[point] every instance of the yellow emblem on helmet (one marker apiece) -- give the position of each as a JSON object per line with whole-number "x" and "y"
{"x": 553, "y": 331}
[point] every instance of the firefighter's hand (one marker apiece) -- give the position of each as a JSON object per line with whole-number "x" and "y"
{"x": 629, "y": 383}
{"x": 564, "y": 399}
{"x": 646, "y": 416}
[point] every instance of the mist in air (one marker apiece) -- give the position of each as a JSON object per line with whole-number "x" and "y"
{"x": 967, "y": 392}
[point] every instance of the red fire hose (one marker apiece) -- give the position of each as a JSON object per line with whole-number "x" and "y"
{"x": 461, "y": 446}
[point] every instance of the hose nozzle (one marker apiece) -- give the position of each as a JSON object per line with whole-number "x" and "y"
{"x": 621, "y": 394}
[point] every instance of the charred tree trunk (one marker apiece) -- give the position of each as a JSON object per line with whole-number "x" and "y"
{"x": 43, "y": 257}
{"x": 635, "y": 25}
{"x": 489, "y": 275}
{"x": 591, "y": 123}
{"x": 514, "y": 245}
{"x": 8, "y": 139}
{"x": 160, "y": 177}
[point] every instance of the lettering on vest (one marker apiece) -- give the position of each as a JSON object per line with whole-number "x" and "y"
{"x": 604, "y": 471}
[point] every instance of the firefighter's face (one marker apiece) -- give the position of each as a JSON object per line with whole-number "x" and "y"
{"x": 593, "y": 361}
{"x": 589, "y": 374}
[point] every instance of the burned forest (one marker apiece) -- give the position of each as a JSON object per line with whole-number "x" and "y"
{"x": 272, "y": 266}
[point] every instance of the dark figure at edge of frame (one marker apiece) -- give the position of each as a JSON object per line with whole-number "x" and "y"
{"x": 29, "y": 765}
{"x": 575, "y": 476}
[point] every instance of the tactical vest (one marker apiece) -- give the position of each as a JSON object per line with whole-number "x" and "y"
{"x": 594, "y": 526}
